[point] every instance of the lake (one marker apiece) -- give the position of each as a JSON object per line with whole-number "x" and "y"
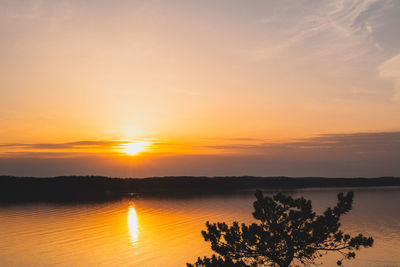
{"x": 166, "y": 231}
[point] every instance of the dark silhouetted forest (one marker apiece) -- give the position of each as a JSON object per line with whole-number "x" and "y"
{"x": 95, "y": 188}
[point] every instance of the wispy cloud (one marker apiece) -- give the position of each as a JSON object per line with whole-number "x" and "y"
{"x": 343, "y": 26}
{"x": 78, "y": 144}
{"x": 390, "y": 69}
{"x": 336, "y": 42}
{"x": 352, "y": 143}
{"x": 68, "y": 149}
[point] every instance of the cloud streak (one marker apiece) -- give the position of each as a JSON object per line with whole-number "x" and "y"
{"x": 345, "y": 155}
{"x": 68, "y": 145}
{"x": 68, "y": 149}
{"x": 380, "y": 141}
{"x": 351, "y": 143}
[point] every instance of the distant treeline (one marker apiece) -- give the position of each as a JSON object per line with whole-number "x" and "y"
{"x": 95, "y": 188}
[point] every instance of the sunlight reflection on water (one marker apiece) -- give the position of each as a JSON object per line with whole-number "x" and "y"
{"x": 133, "y": 224}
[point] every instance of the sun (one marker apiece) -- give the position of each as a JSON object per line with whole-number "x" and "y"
{"x": 134, "y": 148}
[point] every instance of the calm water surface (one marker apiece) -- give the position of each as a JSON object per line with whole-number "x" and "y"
{"x": 166, "y": 232}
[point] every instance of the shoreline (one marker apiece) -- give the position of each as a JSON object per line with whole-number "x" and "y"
{"x": 98, "y": 188}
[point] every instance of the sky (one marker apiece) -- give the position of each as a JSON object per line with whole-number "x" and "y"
{"x": 295, "y": 88}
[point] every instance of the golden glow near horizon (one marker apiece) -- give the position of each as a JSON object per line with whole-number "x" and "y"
{"x": 135, "y": 148}
{"x": 133, "y": 224}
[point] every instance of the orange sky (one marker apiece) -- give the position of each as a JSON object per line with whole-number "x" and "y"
{"x": 194, "y": 78}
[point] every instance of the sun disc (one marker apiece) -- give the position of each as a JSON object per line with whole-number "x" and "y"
{"x": 135, "y": 147}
